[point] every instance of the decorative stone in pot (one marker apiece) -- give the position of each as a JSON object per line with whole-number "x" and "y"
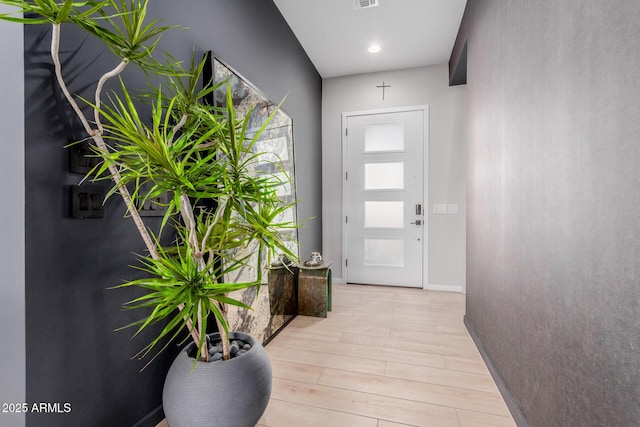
{"x": 229, "y": 393}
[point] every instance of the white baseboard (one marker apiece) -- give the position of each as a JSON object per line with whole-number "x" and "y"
{"x": 429, "y": 287}
{"x": 444, "y": 288}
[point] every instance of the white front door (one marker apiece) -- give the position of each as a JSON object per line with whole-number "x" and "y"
{"x": 384, "y": 197}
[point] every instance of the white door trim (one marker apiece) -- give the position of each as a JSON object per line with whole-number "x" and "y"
{"x": 425, "y": 111}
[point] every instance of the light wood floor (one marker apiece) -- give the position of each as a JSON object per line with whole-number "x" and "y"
{"x": 385, "y": 357}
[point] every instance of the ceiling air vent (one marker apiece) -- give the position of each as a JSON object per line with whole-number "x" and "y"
{"x": 363, "y": 4}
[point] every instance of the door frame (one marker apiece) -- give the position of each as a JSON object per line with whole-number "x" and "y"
{"x": 425, "y": 187}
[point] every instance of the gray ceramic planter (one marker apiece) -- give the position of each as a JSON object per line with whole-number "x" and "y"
{"x": 230, "y": 393}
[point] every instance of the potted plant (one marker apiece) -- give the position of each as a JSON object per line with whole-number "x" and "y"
{"x": 222, "y": 212}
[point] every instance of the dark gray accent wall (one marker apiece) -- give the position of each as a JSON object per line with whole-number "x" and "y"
{"x": 73, "y": 353}
{"x": 553, "y": 249}
{"x": 458, "y": 67}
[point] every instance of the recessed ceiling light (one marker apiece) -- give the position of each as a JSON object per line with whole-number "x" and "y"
{"x": 374, "y": 48}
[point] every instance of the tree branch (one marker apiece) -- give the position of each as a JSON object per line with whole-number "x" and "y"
{"x": 224, "y": 337}
{"x": 186, "y": 210}
{"x": 101, "y": 82}
{"x": 55, "y": 55}
{"x": 194, "y": 333}
{"x": 177, "y": 128}
{"x": 221, "y": 207}
{"x": 204, "y": 353}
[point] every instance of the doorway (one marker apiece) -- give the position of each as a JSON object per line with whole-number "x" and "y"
{"x": 384, "y": 189}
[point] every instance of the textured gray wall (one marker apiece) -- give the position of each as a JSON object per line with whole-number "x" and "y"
{"x": 12, "y": 312}
{"x": 553, "y": 250}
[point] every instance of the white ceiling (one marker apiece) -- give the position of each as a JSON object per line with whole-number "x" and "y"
{"x": 412, "y": 33}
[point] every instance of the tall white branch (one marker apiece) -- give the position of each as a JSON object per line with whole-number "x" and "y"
{"x": 98, "y": 97}
{"x": 221, "y": 207}
{"x": 177, "y": 128}
{"x": 186, "y": 210}
{"x": 55, "y": 55}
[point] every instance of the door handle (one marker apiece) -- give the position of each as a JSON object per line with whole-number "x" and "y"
{"x": 417, "y": 222}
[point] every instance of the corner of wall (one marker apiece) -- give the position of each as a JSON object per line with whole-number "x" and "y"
{"x": 12, "y": 291}
{"x": 495, "y": 374}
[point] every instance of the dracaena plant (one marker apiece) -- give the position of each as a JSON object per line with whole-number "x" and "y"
{"x": 223, "y": 212}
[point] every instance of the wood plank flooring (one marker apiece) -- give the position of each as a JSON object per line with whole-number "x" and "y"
{"x": 385, "y": 357}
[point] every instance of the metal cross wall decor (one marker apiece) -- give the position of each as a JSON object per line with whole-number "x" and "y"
{"x": 383, "y": 86}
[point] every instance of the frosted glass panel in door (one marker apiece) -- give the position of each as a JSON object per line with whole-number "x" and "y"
{"x": 384, "y": 137}
{"x": 384, "y": 252}
{"x": 384, "y": 214}
{"x": 384, "y": 176}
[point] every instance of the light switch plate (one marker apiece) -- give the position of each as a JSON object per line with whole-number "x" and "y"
{"x": 439, "y": 208}
{"x": 87, "y": 201}
{"x": 82, "y": 159}
{"x": 155, "y": 207}
{"x": 453, "y": 208}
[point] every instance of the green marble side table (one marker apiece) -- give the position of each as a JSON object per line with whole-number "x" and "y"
{"x": 314, "y": 290}
{"x": 283, "y": 290}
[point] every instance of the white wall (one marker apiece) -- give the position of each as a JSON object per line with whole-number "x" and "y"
{"x": 12, "y": 306}
{"x": 447, "y": 138}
